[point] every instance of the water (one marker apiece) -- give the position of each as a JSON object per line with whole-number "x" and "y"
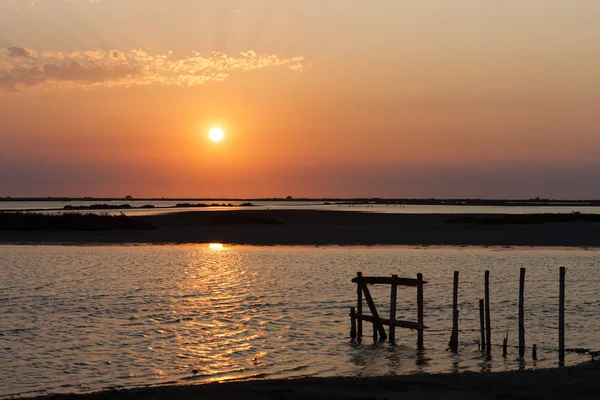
{"x": 85, "y": 318}
{"x": 298, "y": 205}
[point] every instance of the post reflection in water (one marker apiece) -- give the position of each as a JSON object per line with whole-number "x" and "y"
{"x": 370, "y": 356}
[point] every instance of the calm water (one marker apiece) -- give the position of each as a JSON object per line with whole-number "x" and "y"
{"x": 78, "y": 319}
{"x": 299, "y": 205}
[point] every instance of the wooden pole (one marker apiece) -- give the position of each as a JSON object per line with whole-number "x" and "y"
{"x": 505, "y": 345}
{"x": 420, "y": 310}
{"x": 561, "y": 318}
{"x": 488, "y": 324}
{"x": 522, "y": 314}
{"x": 393, "y": 309}
{"x": 453, "y": 344}
{"x": 482, "y": 324}
{"x": 534, "y": 352}
{"x": 376, "y": 320}
{"x": 374, "y": 331}
{"x": 352, "y": 322}
{"x": 359, "y": 331}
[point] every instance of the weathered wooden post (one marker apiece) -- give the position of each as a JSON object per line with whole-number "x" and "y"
{"x": 505, "y": 345}
{"x": 420, "y": 310}
{"x": 522, "y": 314}
{"x": 359, "y": 331}
{"x": 377, "y": 325}
{"x": 561, "y": 318}
{"x": 453, "y": 344}
{"x": 393, "y": 301}
{"x": 482, "y": 325}
{"x": 534, "y": 352}
{"x": 352, "y": 322}
{"x": 374, "y": 331}
{"x": 488, "y": 323}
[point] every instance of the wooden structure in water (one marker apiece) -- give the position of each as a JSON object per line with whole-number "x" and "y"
{"x": 357, "y": 317}
{"x": 485, "y": 330}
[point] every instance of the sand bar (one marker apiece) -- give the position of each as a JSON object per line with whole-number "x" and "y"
{"x": 311, "y": 227}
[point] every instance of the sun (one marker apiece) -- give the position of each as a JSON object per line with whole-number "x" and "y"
{"x": 216, "y": 134}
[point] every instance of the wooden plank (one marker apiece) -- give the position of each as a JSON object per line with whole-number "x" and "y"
{"x": 398, "y": 323}
{"x": 359, "y": 331}
{"x": 482, "y": 324}
{"x": 352, "y": 322}
{"x": 384, "y": 280}
{"x": 453, "y": 344}
{"x": 488, "y": 324}
{"x": 522, "y": 314}
{"x": 561, "y": 318}
{"x": 371, "y": 304}
{"x": 420, "y": 310}
{"x": 393, "y": 302}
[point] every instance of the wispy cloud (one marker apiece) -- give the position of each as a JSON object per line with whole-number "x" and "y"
{"x": 26, "y": 69}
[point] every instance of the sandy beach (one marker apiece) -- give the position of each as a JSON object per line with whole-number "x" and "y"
{"x": 310, "y": 227}
{"x": 580, "y": 382}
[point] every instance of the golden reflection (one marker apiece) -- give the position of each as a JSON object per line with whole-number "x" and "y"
{"x": 218, "y": 333}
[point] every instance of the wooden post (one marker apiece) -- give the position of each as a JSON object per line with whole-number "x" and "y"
{"x": 561, "y": 318}
{"x": 376, "y": 320}
{"x": 359, "y": 331}
{"x": 482, "y": 324}
{"x": 522, "y": 314}
{"x": 488, "y": 324}
{"x": 420, "y": 310}
{"x": 393, "y": 309}
{"x": 505, "y": 345}
{"x": 534, "y": 352}
{"x": 374, "y": 331}
{"x": 352, "y": 323}
{"x": 453, "y": 344}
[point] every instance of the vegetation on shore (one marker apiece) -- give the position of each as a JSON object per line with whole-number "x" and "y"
{"x": 70, "y": 207}
{"x": 523, "y": 219}
{"x": 23, "y": 221}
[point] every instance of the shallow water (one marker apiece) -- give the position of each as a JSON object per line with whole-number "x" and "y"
{"x": 84, "y": 318}
{"x": 294, "y": 205}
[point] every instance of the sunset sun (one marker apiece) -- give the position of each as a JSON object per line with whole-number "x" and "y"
{"x": 216, "y": 134}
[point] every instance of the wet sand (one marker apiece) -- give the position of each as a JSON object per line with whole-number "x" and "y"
{"x": 310, "y": 227}
{"x": 579, "y": 382}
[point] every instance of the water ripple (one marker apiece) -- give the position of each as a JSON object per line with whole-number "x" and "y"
{"x": 90, "y": 318}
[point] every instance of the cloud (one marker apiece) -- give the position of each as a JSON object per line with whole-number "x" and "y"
{"x": 25, "y": 69}
{"x": 19, "y": 52}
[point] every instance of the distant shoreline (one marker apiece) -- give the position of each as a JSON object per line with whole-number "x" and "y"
{"x": 333, "y": 200}
{"x": 558, "y": 383}
{"x": 316, "y": 228}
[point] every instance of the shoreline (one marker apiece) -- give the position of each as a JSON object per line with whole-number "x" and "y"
{"x": 557, "y": 383}
{"x": 322, "y": 228}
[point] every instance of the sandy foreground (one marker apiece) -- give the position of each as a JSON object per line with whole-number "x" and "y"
{"x": 580, "y": 382}
{"x": 310, "y": 227}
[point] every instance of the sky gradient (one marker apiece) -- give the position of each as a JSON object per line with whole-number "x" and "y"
{"x": 339, "y": 98}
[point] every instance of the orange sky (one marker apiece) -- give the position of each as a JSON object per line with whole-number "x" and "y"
{"x": 317, "y": 99}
